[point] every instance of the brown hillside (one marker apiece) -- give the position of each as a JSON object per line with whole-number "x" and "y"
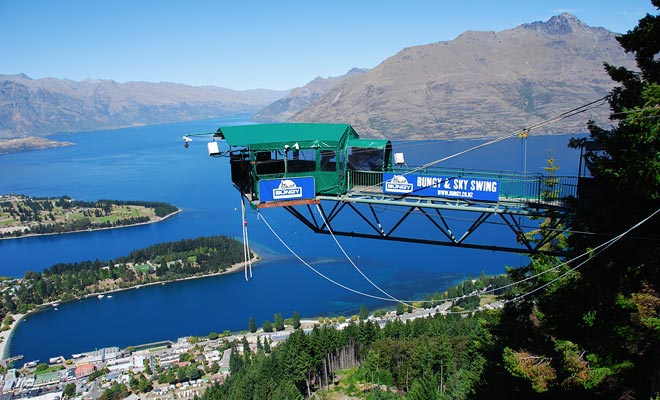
{"x": 480, "y": 84}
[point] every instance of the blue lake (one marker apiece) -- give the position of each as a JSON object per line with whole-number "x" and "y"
{"x": 150, "y": 163}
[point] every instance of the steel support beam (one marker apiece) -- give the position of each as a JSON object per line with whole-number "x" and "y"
{"x": 369, "y": 225}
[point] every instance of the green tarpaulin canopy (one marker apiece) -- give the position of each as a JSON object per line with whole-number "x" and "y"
{"x": 370, "y": 143}
{"x": 276, "y": 136}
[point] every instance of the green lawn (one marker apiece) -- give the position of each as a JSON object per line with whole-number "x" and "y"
{"x": 143, "y": 267}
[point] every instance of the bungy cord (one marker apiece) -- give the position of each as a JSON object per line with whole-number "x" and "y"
{"x": 318, "y": 209}
{"x": 247, "y": 256}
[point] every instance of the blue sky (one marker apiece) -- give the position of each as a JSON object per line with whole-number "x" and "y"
{"x": 254, "y": 44}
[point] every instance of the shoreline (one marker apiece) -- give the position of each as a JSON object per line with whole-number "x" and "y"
{"x": 158, "y": 219}
{"x": 230, "y": 270}
{"x": 4, "y": 345}
{"x": 6, "y": 335}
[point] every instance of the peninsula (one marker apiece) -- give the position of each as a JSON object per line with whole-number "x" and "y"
{"x": 171, "y": 261}
{"x": 30, "y": 143}
{"x": 22, "y": 215}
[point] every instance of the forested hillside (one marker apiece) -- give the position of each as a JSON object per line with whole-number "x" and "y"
{"x": 161, "y": 262}
{"x": 420, "y": 357}
{"x": 587, "y": 327}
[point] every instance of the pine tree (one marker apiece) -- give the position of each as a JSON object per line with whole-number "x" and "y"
{"x": 296, "y": 320}
{"x": 235, "y": 361}
{"x": 364, "y": 313}
{"x": 591, "y": 333}
{"x": 425, "y": 388}
{"x": 279, "y": 322}
{"x": 267, "y": 326}
{"x": 266, "y": 345}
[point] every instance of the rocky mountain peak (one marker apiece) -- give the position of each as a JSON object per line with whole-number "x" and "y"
{"x": 356, "y": 71}
{"x": 562, "y": 24}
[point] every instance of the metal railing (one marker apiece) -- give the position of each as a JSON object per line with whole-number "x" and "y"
{"x": 527, "y": 188}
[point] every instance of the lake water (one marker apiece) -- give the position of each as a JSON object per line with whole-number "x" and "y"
{"x": 150, "y": 163}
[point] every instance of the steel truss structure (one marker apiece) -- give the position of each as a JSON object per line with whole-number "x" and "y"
{"x": 520, "y": 218}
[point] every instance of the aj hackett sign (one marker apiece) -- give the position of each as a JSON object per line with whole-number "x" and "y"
{"x": 287, "y": 189}
{"x": 440, "y": 186}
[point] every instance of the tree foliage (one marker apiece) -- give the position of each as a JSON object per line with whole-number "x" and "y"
{"x": 364, "y": 312}
{"x": 626, "y": 156}
{"x": 296, "y": 320}
{"x": 416, "y": 355}
{"x": 279, "y": 321}
{"x": 117, "y": 391}
{"x": 592, "y": 331}
{"x": 69, "y": 390}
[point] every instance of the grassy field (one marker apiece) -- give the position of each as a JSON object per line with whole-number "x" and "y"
{"x": 487, "y": 299}
{"x": 21, "y": 213}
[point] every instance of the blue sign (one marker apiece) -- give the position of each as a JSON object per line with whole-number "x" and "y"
{"x": 441, "y": 186}
{"x": 287, "y": 189}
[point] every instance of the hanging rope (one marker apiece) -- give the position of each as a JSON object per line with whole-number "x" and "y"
{"x": 318, "y": 209}
{"x": 247, "y": 254}
{"x": 589, "y": 254}
{"x": 319, "y": 273}
{"x": 525, "y": 131}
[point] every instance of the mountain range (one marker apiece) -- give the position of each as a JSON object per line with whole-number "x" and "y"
{"x": 39, "y": 107}
{"x": 300, "y": 98}
{"x": 480, "y": 84}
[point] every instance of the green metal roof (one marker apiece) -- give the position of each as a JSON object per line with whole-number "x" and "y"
{"x": 307, "y": 135}
{"x": 46, "y": 378}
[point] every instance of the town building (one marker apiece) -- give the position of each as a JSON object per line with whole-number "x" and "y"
{"x": 84, "y": 370}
